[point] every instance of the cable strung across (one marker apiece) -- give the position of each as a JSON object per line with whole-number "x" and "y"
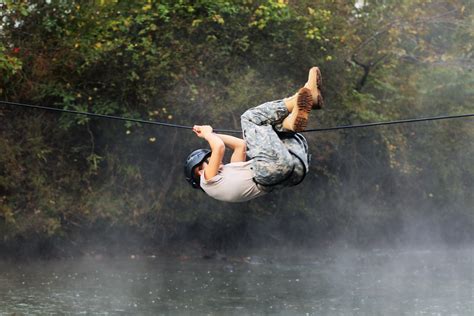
{"x": 230, "y": 131}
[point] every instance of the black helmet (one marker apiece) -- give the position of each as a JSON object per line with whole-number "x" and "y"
{"x": 193, "y": 160}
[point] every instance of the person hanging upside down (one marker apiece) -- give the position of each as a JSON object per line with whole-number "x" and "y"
{"x": 278, "y": 154}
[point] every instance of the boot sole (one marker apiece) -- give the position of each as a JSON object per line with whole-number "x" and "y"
{"x": 319, "y": 104}
{"x": 304, "y": 104}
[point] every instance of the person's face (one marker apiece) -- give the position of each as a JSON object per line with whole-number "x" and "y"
{"x": 200, "y": 168}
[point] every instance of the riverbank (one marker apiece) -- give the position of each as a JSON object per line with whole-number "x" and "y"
{"x": 195, "y": 243}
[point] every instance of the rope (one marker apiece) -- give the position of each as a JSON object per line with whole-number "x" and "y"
{"x": 230, "y": 131}
{"x": 421, "y": 119}
{"x": 128, "y": 119}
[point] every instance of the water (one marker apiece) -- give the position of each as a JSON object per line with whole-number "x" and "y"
{"x": 342, "y": 282}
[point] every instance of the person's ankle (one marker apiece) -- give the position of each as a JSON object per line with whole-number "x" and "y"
{"x": 290, "y": 103}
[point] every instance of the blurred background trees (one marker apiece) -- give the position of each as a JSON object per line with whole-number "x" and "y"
{"x": 205, "y": 62}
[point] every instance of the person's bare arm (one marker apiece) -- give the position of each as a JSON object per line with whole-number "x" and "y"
{"x": 217, "y": 148}
{"x": 237, "y": 145}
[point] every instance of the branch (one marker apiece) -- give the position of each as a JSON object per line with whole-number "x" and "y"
{"x": 367, "y": 68}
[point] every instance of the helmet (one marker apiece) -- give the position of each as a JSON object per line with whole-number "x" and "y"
{"x": 193, "y": 160}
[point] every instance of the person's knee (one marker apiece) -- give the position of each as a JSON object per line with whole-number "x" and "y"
{"x": 246, "y": 116}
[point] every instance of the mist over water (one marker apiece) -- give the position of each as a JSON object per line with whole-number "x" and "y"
{"x": 331, "y": 281}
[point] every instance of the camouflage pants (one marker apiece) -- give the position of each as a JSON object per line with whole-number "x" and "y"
{"x": 278, "y": 159}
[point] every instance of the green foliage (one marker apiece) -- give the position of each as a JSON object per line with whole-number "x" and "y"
{"x": 207, "y": 61}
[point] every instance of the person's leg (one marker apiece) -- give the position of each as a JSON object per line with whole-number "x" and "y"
{"x": 298, "y": 147}
{"x": 272, "y": 113}
{"x": 314, "y": 84}
{"x": 309, "y": 97}
{"x": 268, "y": 113}
{"x": 272, "y": 162}
{"x": 297, "y": 120}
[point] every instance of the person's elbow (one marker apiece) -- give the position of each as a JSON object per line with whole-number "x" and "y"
{"x": 243, "y": 151}
{"x": 242, "y": 145}
{"x": 239, "y": 154}
{"x": 218, "y": 148}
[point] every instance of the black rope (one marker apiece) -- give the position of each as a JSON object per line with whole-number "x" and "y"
{"x": 230, "y": 131}
{"x": 112, "y": 117}
{"x": 421, "y": 119}
{"x": 94, "y": 115}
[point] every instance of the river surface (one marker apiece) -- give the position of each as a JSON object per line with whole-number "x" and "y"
{"x": 305, "y": 282}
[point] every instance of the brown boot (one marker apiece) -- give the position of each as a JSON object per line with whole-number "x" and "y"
{"x": 298, "y": 118}
{"x": 315, "y": 83}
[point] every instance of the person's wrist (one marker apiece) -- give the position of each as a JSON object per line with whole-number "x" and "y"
{"x": 208, "y": 134}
